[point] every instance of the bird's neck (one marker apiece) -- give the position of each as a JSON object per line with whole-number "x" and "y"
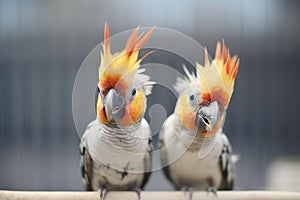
{"x": 195, "y": 141}
{"x": 118, "y": 145}
{"x": 201, "y": 143}
{"x": 120, "y": 131}
{"x": 124, "y": 137}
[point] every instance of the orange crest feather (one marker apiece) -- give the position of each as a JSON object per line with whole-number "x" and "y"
{"x": 217, "y": 77}
{"x": 119, "y": 69}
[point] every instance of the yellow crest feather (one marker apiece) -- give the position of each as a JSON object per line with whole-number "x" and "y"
{"x": 121, "y": 67}
{"x": 217, "y": 77}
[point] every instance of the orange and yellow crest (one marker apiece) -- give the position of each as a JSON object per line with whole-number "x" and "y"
{"x": 217, "y": 77}
{"x": 119, "y": 69}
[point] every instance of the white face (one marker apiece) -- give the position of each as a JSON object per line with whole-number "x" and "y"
{"x": 121, "y": 107}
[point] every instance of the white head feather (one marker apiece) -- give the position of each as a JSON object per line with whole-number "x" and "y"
{"x": 188, "y": 84}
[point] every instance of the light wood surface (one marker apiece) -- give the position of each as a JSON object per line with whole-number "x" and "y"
{"x": 156, "y": 195}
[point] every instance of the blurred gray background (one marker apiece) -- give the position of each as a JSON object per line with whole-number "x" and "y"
{"x": 42, "y": 44}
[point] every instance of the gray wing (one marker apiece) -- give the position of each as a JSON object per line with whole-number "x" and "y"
{"x": 147, "y": 162}
{"x": 148, "y": 157}
{"x": 163, "y": 159}
{"x": 86, "y": 163}
{"x": 227, "y": 162}
{"x": 167, "y": 127}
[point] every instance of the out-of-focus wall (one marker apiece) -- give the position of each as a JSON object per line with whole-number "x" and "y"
{"x": 42, "y": 44}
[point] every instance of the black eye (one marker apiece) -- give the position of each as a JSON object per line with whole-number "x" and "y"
{"x": 98, "y": 89}
{"x": 133, "y": 92}
{"x": 192, "y": 97}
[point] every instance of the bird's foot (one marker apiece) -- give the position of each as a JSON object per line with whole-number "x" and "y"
{"x": 190, "y": 190}
{"x": 138, "y": 192}
{"x": 212, "y": 189}
{"x": 102, "y": 192}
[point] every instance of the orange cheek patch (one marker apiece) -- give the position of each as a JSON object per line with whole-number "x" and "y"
{"x": 189, "y": 121}
{"x": 186, "y": 114}
{"x": 213, "y": 132}
{"x": 133, "y": 110}
{"x": 101, "y": 112}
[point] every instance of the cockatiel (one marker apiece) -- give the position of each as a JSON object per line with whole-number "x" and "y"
{"x": 196, "y": 154}
{"x": 116, "y": 147}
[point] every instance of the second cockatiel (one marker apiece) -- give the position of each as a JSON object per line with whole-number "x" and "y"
{"x": 116, "y": 146}
{"x": 195, "y": 152}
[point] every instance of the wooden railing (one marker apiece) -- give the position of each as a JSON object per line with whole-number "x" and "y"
{"x": 156, "y": 195}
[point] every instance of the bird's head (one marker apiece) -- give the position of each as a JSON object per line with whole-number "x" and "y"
{"x": 202, "y": 105}
{"x": 122, "y": 87}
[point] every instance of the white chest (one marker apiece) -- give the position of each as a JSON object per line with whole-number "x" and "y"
{"x": 111, "y": 179}
{"x": 192, "y": 171}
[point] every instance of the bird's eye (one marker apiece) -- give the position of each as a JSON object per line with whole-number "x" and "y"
{"x": 98, "y": 89}
{"x": 133, "y": 92}
{"x": 192, "y": 97}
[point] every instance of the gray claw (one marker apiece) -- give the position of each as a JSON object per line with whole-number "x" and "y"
{"x": 138, "y": 192}
{"x": 188, "y": 189}
{"x": 212, "y": 189}
{"x": 102, "y": 193}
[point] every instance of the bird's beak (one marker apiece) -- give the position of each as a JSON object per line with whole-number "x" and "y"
{"x": 208, "y": 117}
{"x": 114, "y": 105}
{"x": 203, "y": 122}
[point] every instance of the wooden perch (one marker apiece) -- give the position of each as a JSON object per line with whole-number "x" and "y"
{"x": 230, "y": 195}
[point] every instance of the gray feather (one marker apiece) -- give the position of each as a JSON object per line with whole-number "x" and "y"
{"x": 227, "y": 161}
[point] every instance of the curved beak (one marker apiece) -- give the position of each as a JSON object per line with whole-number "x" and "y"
{"x": 114, "y": 105}
{"x": 203, "y": 123}
{"x": 208, "y": 116}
